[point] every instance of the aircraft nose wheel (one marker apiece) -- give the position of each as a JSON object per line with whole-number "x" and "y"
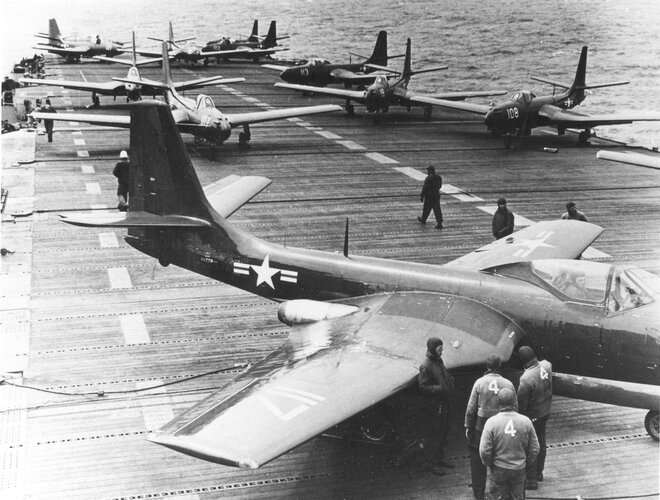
{"x": 652, "y": 424}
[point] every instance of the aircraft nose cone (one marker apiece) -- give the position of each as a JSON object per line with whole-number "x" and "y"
{"x": 493, "y": 118}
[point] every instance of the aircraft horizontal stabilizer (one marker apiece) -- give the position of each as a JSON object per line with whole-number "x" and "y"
{"x": 202, "y": 82}
{"x": 630, "y": 158}
{"x": 275, "y": 67}
{"x": 231, "y": 193}
{"x": 132, "y": 219}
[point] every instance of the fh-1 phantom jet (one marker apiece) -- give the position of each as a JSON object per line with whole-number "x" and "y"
{"x": 319, "y": 73}
{"x": 360, "y": 324}
{"x": 198, "y": 117}
{"x": 382, "y": 94}
{"x": 73, "y": 49}
{"x": 184, "y": 50}
{"x": 254, "y": 46}
{"x": 132, "y": 91}
{"x": 525, "y": 111}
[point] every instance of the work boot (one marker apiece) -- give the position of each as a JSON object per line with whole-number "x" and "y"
{"x": 439, "y": 226}
{"x": 529, "y": 485}
{"x": 421, "y": 220}
{"x": 539, "y": 477}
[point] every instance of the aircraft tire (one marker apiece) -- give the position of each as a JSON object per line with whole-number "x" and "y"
{"x": 652, "y": 424}
{"x": 163, "y": 262}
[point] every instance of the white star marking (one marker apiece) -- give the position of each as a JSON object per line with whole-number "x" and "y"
{"x": 265, "y": 273}
{"x": 531, "y": 245}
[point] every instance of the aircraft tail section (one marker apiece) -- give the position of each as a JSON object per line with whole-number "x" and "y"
{"x": 167, "y": 73}
{"x": 271, "y": 37}
{"x": 576, "y": 92}
{"x": 379, "y": 55}
{"x": 54, "y": 35}
{"x": 254, "y": 36}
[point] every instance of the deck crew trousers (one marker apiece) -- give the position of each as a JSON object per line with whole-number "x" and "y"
{"x": 535, "y": 468}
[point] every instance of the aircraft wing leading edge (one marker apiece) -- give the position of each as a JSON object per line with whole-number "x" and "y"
{"x": 239, "y": 119}
{"x": 572, "y": 118}
{"x": 330, "y": 370}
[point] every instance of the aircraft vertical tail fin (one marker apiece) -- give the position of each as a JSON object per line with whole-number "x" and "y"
{"x": 170, "y": 34}
{"x": 379, "y": 55}
{"x": 576, "y": 92}
{"x": 407, "y": 64}
{"x": 167, "y": 73}
{"x": 133, "y": 51}
{"x": 54, "y": 33}
{"x": 271, "y": 37}
{"x": 254, "y": 36}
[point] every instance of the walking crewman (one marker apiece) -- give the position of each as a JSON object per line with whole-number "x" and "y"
{"x": 121, "y": 172}
{"x": 507, "y": 444}
{"x": 48, "y": 124}
{"x": 534, "y": 401}
{"x": 483, "y": 404}
{"x": 431, "y": 197}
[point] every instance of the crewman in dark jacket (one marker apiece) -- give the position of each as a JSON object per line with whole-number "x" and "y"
{"x": 534, "y": 401}
{"x": 436, "y": 384}
{"x": 431, "y": 197}
{"x": 48, "y": 124}
{"x": 482, "y": 405}
{"x": 122, "y": 173}
{"x": 502, "y": 220}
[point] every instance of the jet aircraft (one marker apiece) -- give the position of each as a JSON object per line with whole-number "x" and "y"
{"x": 184, "y": 50}
{"x": 255, "y": 46}
{"x": 116, "y": 88}
{"x": 382, "y": 94}
{"x": 360, "y": 324}
{"x": 72, "y": 49}
{"x": 198, "y": 117}
{"x": 525, "y": 111}
{"x": 320, "y": 73}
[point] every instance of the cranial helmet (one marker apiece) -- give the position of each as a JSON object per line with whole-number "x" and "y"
{"x": 123, "y": 154}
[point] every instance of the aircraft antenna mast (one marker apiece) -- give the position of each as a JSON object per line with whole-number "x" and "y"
{"x": 346, "y": 239}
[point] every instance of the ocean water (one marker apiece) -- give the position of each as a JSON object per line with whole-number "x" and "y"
{"x": 487, "y": 44}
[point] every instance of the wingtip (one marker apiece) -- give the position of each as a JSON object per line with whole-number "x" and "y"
{"x": 190, "y": 446}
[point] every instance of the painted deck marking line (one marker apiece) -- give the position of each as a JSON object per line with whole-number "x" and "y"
{"x": 76, "y": 132}
{"x": 304, "y": 124}
{"x": 156, "y": 411}
{"x": 108, "y": 240}
{"x": 74, "y": 124}
{"x": 327, "y": 134}
{"x": 380, "y": 158}
{"x": 79, "y": 142}
{"x": 459, "y": 194}
{"x": 294, "y": 119}
{"x": 65, "y": 91}
{"x": 519, "y": 219}
{"x": 351, "y": 145}
{"x": 265, "y": 105}
{"x": 83, "y": 154}
{"x": 98, "y": 206}
{"x": 119, "y": 277}
{"x": 93, "y": 187}
{"x": 87, "y": 169}
{"x": 411, "y": 172}
{"x": 251, "y": 99}
{"x": 67, "y": 102}
{"x": 69, "y": 109}
{"x": 134, "y": 329}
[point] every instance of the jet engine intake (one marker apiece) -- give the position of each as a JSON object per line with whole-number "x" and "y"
{"x": 301, "y": 311}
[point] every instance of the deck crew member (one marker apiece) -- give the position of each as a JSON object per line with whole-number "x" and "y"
{"x": 121, "y": 172}
{"x": 48, "y": 124}
{"x": 573, "y": 213}
{"x": 430, "y": 196}
{"x": 503, "y": 220}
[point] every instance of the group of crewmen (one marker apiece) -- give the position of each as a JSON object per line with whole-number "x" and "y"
{"x": 503, "y": 218}
{"x": 505, "y": 430}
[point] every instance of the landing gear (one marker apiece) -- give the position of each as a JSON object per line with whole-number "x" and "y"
{"x": 583, "y": 137}
{"x": 96, "y": 102}
{"x": 652, "y": 424}
{"x": 244, "y": 137}
{"x": 508, "y": 141}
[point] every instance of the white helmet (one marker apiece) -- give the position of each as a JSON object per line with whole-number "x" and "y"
{"x": 123, "y": 154}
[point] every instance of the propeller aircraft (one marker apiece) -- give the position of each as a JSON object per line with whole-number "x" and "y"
{"x": 255, "y": 46}
{"x": 184, "y": 50}
{"x": 382, "y": 94}
{"x": 198, "y": 117}
{"x": 319, "y": 73}
{"x": 72, "y": 49}
{"x": 525, "y": 111}
{"x": 360, "y": 324}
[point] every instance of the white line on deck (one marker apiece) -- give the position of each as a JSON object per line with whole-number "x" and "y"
{"x": 327, "y": 135}
{"x": 83, "y": 154}
{"x": 304, "y": 124}
{"x": 79, "y": 142}
{"x": 156, "y": 411}
{"x": 76, "y": 132}
{"x": 411, "y": 172}
{"x": 108, "y": 240}
{"x": 93, "y": 187}
{"x": 87, "y": 169}
{"x": 98, "y": 206}
{"x": 134, "y": 329}
{"x": 74, "y": 124}
{"x": 119, "y": 277}
{"x": 351, "y": 145}
{"x": 380, "y": 158}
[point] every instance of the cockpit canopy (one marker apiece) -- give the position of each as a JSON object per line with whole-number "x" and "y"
{"x": 381, "y": 80}
{"x": 204, "y": 101}
{"x": 523, "y": 97}
{"x": 317, "y": 62}
{"x": 584, "y": 281}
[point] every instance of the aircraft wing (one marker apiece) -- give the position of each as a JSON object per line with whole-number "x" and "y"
{"x": 572, "y": 118}
{"x": 128, "y": 62}
{"x": 480, "y": 109}
{"x": 356, "y": 95}
{"x": 219, "y": 53}
{"x": 123, "y": 121}
{"x": 98, "y": 87}
{"x": 330, "y": 370}
{"x": 557, "y": 239}
{"x": 275, "y": 67}
{"x": 454, "y": 96}
{"x": 202, "y": 82}
{"x": 346, "y": 75}
{"x": 240, "y": 119}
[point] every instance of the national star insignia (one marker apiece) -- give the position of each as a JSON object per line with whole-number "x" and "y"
{"x": 265, "y": 273}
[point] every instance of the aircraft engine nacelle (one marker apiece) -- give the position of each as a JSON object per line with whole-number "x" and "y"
{"x": 303, "y": 311}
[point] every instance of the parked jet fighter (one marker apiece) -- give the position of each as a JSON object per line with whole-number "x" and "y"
{"x": 382, "y": 94}
{"x": 73, "y": 50}
{"x": 255, "y": 46}
{"x": 525, "y": 111}
{"x": 320, "y": 73}
{"x": 360, "y": 324}
{"x": 184, "y": 50}
{"x": 199, "y": 117}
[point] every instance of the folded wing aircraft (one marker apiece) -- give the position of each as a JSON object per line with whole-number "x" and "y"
{"x": 525, "y": 111}
{"x": 360, "y": 324}
{"x": 382, "y": 93}
{"x": 199, "y": 117}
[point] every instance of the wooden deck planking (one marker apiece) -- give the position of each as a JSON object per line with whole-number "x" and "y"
{"x": 196, "y": 326}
